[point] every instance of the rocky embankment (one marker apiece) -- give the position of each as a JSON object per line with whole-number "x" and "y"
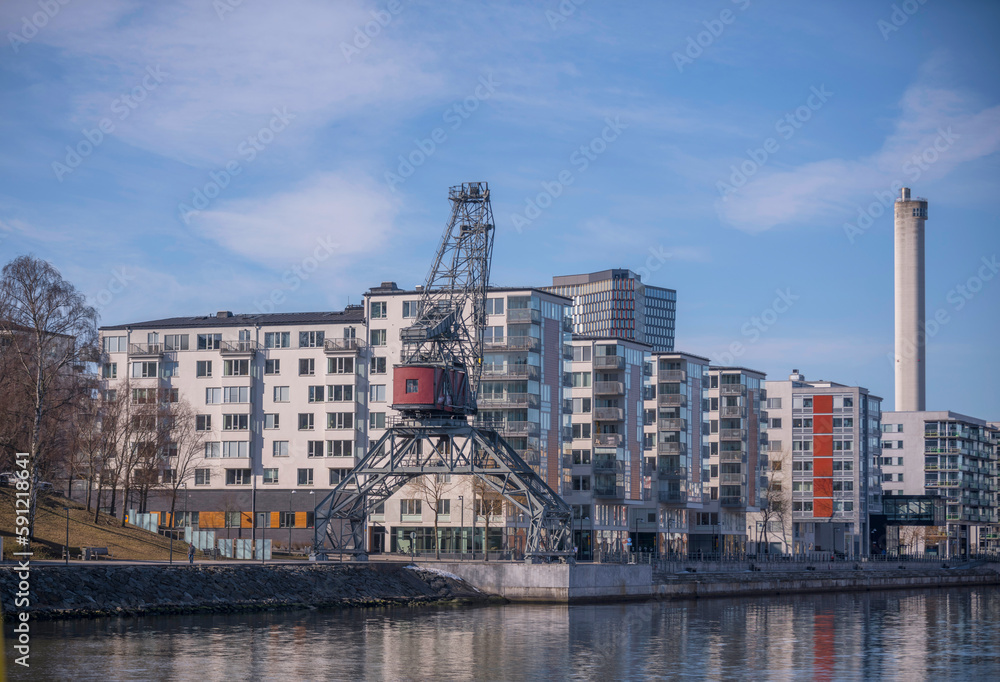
{"x": 86, "y": 591}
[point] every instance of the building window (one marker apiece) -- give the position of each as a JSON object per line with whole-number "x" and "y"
{"x": 213, "y": 396}
{"x": 774, "y": 403}
{"x": 271, "y": 421}
{"x": 340, "y": 448}
{"x": 377, "y": 337}
{"x": 272, "y": 367}
{"x": 340, "y": 366}
{"x": 305, "y": 476}
{"x": 376, "y": 420}
{"x": 412, "y": 385}
{"x": 213, "y": 449}
{"x": 311, "y": 339}
{"x": 340, "y": 394}
{"x": 340, "y": 420}
{"x": 109, "y": 370}
{"x": 203, "y": 422}
{"x": 237, "y": 477}
{"x": 581, "y": 483}
{"x": 581, "y": 456}
{"x": 338, "y": 475}
{"x": 235, "y": 449}
{"x": 115, "y": 344}
{"x": 236, "y": 394}
{"x": 775, "y": 423}
{"x": 145, "y": 370}
{"x": 209, "y": 341}
{"x": 270, "y": 476}
{"x": 317, "y": 394}
{"x": 202, "y": 476}
{"x": 378, "y": 366}
{"x": 281, "y": 394}
{"x": 277, "y": 340}
{"x": 410, "y": 308}
{"x": 376, "y": 393}
{"x": 581, "y": 353}
{"x": 314, "y": 448}
{"x": 279, "y": 448}
{"x": 581, "y": 430}
{"x": 307, "y": 367}
{"x": 494, "y": 306}
{"x": 410, "y": 508}
{"x": 235, "y": 422}
{"x": 377, "y": 310}
{"x": 204, "y": 368}
{"x": 306, "y": 421}
{"x": 580, "y": 379}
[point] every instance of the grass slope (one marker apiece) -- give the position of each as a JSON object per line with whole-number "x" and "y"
{"x": 50, "y": 532}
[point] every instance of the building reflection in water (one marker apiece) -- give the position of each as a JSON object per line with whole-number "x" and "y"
{"x": 922, "y": 635}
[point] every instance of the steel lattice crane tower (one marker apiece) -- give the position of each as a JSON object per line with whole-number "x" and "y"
{"x": 434, "y": 389}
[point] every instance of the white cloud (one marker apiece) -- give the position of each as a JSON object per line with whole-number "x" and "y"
{"x": 334, "y": 213}
{"x": 938, "y": 130}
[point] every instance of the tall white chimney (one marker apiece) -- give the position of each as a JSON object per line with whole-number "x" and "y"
{"x": 911, "y": 341}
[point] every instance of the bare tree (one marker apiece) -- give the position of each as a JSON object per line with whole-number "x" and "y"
{"x": 186, "y": 449}
{"x": 776, "y": 506}
{"x": 432, "y": 488}
{"x": 486, "y": 502}
{"x": 48, "y": 333}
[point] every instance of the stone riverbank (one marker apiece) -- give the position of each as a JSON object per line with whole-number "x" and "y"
{"x": 88, "y": 591}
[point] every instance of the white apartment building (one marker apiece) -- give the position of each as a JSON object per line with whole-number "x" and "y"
{"x": 824, "y": 458}
{"x": 952, "y": 456}
{"x": 278, "y": 398}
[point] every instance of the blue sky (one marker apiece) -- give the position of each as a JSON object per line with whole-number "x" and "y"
{"x": 180, "y": 158}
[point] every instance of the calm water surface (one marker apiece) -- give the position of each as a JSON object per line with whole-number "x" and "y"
{"x": 927, "y": 635}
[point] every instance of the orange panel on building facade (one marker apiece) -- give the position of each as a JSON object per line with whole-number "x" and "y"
{"x": 212, "y": 519}
{"x": 822, "y": 487}
{"x": 822, "y": 446}
{"x": 822, "y": 404}
{"x": 300, "y": 519}
{"x": 823, "y": 423}
{"x": 822, "y": 467}
{"x": 246, "y": 520}
{"x": 822, "y": 508}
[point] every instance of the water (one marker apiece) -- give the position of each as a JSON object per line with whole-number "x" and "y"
{"x": 919, "y": 635}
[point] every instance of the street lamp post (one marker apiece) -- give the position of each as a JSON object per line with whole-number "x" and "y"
{"x": 66, "y": 509}
{"x": 461, "y": 530}
{"x": 290, "y": 521}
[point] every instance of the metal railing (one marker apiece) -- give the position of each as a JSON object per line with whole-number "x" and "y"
{"x": 609, "y": 388}
{"x": 732, "y": 434}
{"x": 671, "y": 448}
{"x": 731, "y": 412}
{"x": 732, "y": 389}
{"x": 672, "y": 375}
{"x": 671, "y": 472}
{"x": 611, "y": 440}
{"x": 239, "y": 347}
{"x": 497, "y": 371}
{"x": 670, "y": 424}
{"x": 672, "y": 400}
{"x": 145, "y": 349}
{"x": 609, "y": 414}
{"x": 342, "y": 345}
{"x": 609, "y": 362}
{"x": 673, "y": 496}
{"x": 521, "y": 315}
{"x": 508, "y": 400}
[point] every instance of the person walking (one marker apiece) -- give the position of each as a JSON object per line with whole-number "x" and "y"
{"x": 191, "y": 554}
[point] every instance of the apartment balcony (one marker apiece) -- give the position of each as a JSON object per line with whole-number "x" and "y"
{"x": 331, "y": 346}
{"x": 671, "y": 424}
{"x": 668, "y": 473}
{"x": 145, "y": 350}
{"x": 510, "y": 372}
{"x": 732, "y": 479}
{"x": 523, "y": 316}
{"x": 609, "y": 362}
{"x": 647, "y": 369}
{"x": 732, "y": 412}
{"x": 609, "y": 414}
{"x": 732, "y": 434}
{"x": 672, "y": 400}
{"x": 672, "y": 376}
{"x": 605, "y": 465}
{"x": 239, "y": 347}
{"x": 671, "y": 448}
{"x": 567, "y": 324}
{"x": 513, "y": 428}
{"x": 610, "y": 440}
{"x": 673, "y": 496}
{"x": 731, "y": 456}
{"x": 609, "y": 388}
{"x": 732, "y": 501}
{"x": 617, "y": 491}
{"x": 567, "y": 352}
{"x": 508, "y": 400}
{"x": 732, "y": 389}
{"x": 514, "y": 343}
{"x": 532, "y": 457}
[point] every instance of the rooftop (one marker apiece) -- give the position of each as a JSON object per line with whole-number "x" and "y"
{"x": 225, "y": 318}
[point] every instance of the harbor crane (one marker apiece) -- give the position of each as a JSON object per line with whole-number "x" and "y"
{"x": 434, "y": 392}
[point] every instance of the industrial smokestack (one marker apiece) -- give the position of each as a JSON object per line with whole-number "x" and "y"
{"x": 910, "y": 351}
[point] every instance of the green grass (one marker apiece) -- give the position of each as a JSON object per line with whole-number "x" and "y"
{"x": 50, "y": 532}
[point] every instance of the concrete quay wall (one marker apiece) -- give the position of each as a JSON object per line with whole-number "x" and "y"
{"x": 565, "y": 583}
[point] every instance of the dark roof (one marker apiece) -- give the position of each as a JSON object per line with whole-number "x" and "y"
{"x": 680, "y": 352}
{"x": 390, "y": 291}
{"x": 736, "y": 368}
{"x": 599, "y": 337}
{"x": 351, "y": 314}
